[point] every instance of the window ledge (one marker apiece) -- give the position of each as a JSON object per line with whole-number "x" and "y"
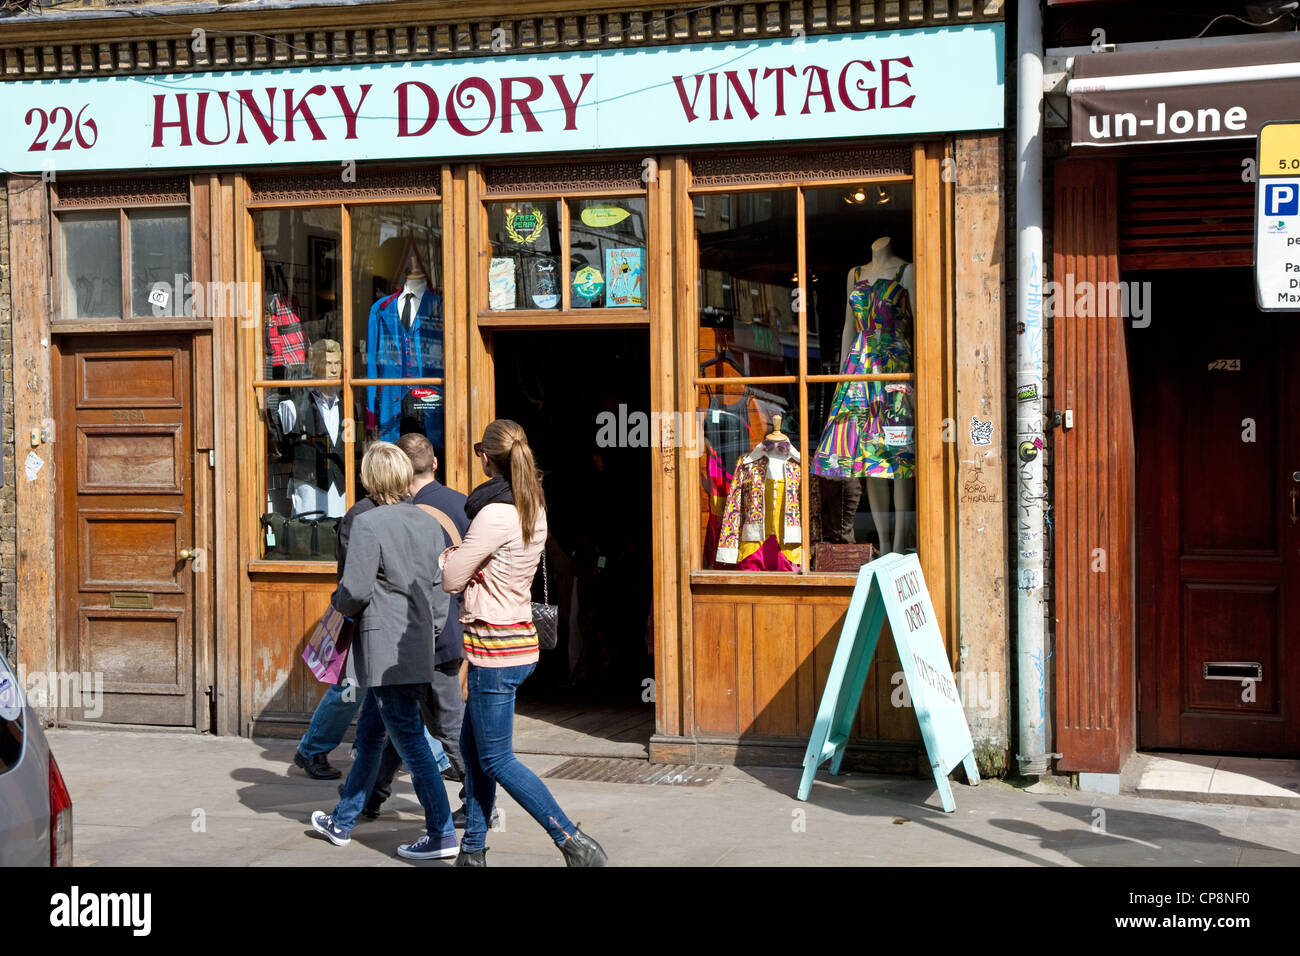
{"x": 772, "y": 579}
{"x": 262, "y": 565}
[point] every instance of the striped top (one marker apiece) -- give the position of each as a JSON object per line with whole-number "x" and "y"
{"x": 501, "y": 645}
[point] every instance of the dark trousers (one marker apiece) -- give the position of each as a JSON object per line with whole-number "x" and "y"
{"x": 443, "y": 713}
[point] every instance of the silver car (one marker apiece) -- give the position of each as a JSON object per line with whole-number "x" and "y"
{"x": 35, "y": 809}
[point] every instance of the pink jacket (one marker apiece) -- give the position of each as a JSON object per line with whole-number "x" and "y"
{"x": 493, "y": 566}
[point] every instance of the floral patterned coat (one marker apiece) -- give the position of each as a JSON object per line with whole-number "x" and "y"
{"x": 743, "y": 516}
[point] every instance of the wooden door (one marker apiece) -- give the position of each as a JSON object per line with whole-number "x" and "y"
{"x": 125, "y": 447}
{"x": 1218, "y": 409}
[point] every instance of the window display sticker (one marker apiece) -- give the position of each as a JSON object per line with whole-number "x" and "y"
{"x": 501, "y": 284}
{"x": 158, "y": 296}
{"x": 525, "y": 225}
{"x": 32, "y": 465}
{"x": 624, "y": 271}
{"x": 602, "y": 217}
{"x": 422, "y": 399}
{"x": 898, "y": 436}
{"x": 587, "y": 282}
{"x": 546, "y": 283}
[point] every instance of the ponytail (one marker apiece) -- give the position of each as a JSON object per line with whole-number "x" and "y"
{"x": 506, "y": 444}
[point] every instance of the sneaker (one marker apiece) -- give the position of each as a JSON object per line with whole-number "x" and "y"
{"x": 324, "y": 824}
{"x": 430, "y": 848}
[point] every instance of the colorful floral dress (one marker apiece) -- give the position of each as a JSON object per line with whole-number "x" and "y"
{"x": 870, "y": 428}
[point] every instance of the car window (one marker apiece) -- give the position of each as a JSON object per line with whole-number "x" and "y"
{"x": 11, "y": 719}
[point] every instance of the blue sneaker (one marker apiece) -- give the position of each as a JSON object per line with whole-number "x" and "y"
{"x": 430, "y": 848}
{"x": 324, "y": 824}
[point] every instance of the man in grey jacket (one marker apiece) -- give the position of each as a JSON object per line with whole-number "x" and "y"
{"x": 391, "y": 579}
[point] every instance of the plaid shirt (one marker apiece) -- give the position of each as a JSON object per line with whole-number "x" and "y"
{"x": 286, "y": 341}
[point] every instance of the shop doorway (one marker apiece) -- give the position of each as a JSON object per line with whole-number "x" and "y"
{"x": 125, "y": 529}
{"x": 580, "y": 396}
{"x": 1217, "y": 414}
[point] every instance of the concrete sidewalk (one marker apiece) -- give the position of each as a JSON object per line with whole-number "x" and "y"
{"x": 143, "y": 799}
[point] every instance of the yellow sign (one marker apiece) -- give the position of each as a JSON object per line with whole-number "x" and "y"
{"x": 601, "y": 217}
{"x": 1279, "y": 149}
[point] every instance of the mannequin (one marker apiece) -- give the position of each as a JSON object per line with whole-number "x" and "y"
{"x": 311, "y": 424}
{"x": 404, "y": 340}
{"x": 889, "y": 463}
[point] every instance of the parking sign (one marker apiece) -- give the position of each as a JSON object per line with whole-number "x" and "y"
{"x": 1277, "y": 219}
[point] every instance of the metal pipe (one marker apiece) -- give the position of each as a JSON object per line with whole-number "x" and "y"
{"x": 1030, "y": 490}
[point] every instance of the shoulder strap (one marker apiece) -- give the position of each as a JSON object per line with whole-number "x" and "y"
{"x": 445, "y": 520}
{"x": 899, "y": 277}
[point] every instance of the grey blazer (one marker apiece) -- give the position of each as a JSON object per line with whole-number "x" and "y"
{"x": 391, "y": 579}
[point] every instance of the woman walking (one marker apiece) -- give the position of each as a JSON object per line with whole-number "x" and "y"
{"x": 494, "y": 567}
{"x": 391, "y": 581}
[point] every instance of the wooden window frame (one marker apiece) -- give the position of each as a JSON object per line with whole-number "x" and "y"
{"x": 253, "y": 355}
{"x": 565, "y": 317}
{"x": 928, "y": 264}
{"x": 129, "y": 199}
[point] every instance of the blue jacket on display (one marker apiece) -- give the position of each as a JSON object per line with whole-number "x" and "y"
{"x": 395, "y": 351}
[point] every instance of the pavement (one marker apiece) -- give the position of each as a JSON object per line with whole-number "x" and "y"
{"x": 147, "y": 799}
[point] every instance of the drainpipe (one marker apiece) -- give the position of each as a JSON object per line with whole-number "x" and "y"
{"x": 1030, "y": 490}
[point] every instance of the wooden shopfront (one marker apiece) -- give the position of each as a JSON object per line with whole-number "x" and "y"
{"x": 622, "y": 302}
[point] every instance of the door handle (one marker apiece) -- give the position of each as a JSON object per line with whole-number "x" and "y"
{"x": 189, "y": 554}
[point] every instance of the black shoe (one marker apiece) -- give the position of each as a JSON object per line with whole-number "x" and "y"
{"x": 371, "y": 810}
{"x": 477, "y": 858}
{"x": 317, "y": 767}
{"x": 458, "y": 819}
{"x": 581, "y": 850}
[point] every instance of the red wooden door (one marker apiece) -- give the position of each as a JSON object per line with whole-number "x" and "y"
{"x": 1218, "y": 424}
{"x": 125, "y": 520}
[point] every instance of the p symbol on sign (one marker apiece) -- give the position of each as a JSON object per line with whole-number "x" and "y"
{"x": 1281, "y": 199}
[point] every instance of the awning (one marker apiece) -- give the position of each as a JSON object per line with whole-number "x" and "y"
{"x": 1219, "y": 91}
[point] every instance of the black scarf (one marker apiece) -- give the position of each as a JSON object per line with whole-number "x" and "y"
{"x": 490, "y": 492}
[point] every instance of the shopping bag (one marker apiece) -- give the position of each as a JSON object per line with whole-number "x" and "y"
{"x": 328, "y": 647}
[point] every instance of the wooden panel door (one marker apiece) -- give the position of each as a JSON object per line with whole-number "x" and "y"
{"x": 125, "y": 446}
{"x": 1092, "y": 496}
{"x": 1219, "y": 533}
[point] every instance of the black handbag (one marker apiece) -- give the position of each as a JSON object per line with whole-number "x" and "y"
{"x": 309, "y": 536}
{"x": 546, "y": 616}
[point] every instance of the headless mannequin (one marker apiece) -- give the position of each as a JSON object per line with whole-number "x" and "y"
{"x": 884, "y": 494}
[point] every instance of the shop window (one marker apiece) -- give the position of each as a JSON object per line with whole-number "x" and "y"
{"x": 810, "y": 470}
{"x": 152, "y": 279}
{"x": 350, "y": 352}
{"x": 566, "y": 254}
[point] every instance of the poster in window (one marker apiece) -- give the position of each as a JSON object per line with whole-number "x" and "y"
{"x": 625, "y": 278}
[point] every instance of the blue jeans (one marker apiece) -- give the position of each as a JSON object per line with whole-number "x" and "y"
{"x": 486, "y": 743}
{"x": 387, "y": 708}
{"x": 330, "y": 721}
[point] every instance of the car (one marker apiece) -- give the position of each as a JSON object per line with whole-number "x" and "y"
{"x": 35, "y": 807}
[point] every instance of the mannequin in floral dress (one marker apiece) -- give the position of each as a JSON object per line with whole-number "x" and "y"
{"x": 870, "y": 431}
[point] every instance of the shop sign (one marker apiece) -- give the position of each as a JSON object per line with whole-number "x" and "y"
{"x": 1277, "y": 219}
{"x": 802, "y": 88}
{"x": 1183, "y": 94}
{"x": 893, "y": 588}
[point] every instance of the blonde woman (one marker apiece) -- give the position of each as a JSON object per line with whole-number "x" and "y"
{"x": 494, "y": 567}
{"x": 391, "y": 580}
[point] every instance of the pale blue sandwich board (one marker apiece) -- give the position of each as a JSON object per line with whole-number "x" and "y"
{"x": 893, "y": 587}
